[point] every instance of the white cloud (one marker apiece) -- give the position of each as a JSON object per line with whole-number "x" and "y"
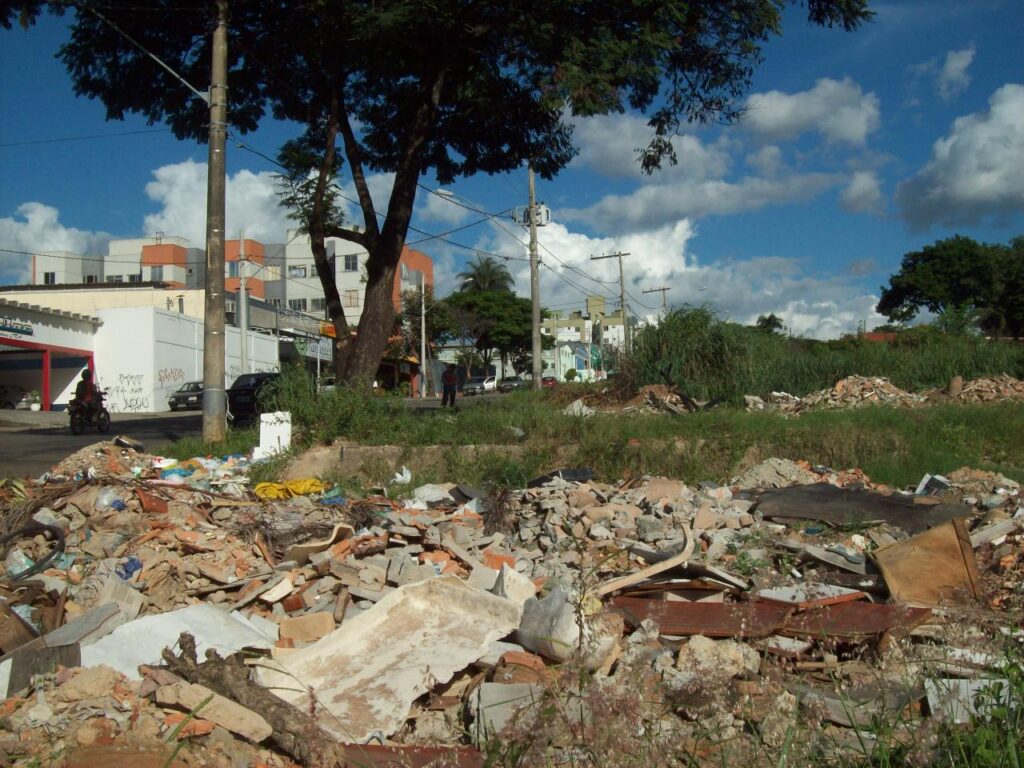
{"x": 36, "y": 228}
{"x": 953, "y": 79}
{"x": 656, "y": 205}
{"x": 974, "y": 172}
{"x": 838, "y": 110}
{"x": 608, "y": 144}
{"x": 441, "y": 209}
{"x": 663, "y": 257}
{"x": 863, "y": 194}
{"x": 251, "y": 203}
{"x": 767, "y": 161}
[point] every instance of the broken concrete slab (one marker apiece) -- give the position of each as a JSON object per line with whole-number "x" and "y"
{"x": 216, "y": 708}
{"x": 496, "y": 704}
{"x": 367, "y": 684}
{"x": 957, "y": 701}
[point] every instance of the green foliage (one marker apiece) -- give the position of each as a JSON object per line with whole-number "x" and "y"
{"x": 710, "y": 359}
{"x": 968, "y": 284}
{"x": 497, "y": 321}
{"x": 570, "y": 375}
{"x": 481, "y": 87}
{"x": 769, "y": 323}
{"x": 484, "y": 273}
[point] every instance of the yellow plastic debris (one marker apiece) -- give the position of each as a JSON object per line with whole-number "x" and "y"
{"x": 301, "y": 487}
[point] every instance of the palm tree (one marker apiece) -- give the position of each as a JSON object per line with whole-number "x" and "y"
{"x": 485, "y": 274}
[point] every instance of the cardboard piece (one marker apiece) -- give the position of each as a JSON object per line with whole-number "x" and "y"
{"x": 933, "y": 567}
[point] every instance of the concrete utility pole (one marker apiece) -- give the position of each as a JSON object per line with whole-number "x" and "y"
{"x": 243, "y": 303}
{"x": 423, "y": 335}
{"x": 627, "y": 334}
{"x": 538, "y": 363}
{"x": 663, "y": 292}
{"x": 214, "y": 405}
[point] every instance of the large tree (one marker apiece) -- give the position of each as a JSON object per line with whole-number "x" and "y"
{"x": 453, "y": 87}
{"x": 962, "y": 281}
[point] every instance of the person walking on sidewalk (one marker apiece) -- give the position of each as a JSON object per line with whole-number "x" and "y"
{"x": 449, "y": 382}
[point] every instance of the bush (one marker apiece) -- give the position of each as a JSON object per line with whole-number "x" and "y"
{"x": 708, "y": 358}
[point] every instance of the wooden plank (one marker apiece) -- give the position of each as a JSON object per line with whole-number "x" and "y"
{"x": 753, "y": 619}
{"x": 992, "y": 532}
{"x": 26, "y": 663}
{"x": 645, "y": 573}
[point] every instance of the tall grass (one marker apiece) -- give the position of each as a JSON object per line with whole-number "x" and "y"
{"x": 711, "y": 359}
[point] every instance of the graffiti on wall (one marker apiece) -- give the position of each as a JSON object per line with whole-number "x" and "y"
{"x": 128, "y": 394}
{"x": 170, "y": 376}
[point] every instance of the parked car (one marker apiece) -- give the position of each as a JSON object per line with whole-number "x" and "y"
{"x": 244, "y": 395}
{"x": 189, "y": 395}
{"x": 474, "y": 386}
{"x": 510, "y": 383}
{"x": 490, "y": 384}
{"x": 549, "y": 382}
{"x": 11, "y": 395}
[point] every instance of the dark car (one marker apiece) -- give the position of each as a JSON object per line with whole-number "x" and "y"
{"x": 187, "y": 396}
{"x": 510, "y": 383}
{"x": 244, "y": 395}
{"x": 549, "y": 382}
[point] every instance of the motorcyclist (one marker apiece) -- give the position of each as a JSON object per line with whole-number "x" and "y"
{"x": 87, "y": 394}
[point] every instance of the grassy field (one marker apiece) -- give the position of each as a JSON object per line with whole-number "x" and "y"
{"x": 523, "y": 435}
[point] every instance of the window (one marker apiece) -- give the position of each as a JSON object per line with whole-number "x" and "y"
{"x": 298, "y": 271}
{"x": 317, "y": 305}
{"x": 135, "y": 278}
{"x": 156, "y": 274}
{"x": 232, "y": 268}
{"x": 49, "y": 278}
{"x": 297, "y": 304}
{"x": 274, "y": 302}
{"x": 312, "y": 271}
{"x": 90, "y": 278}
{"x": 115, "y": 278}
{"x": 351, "y": 298}
{"x": 351, "y": 262}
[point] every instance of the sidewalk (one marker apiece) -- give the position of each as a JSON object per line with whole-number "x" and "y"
{"x": 25, "y": 421}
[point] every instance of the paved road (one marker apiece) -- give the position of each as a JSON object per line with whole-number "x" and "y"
{"x": 31, "y": 443}
{"x": 28, "y": 450}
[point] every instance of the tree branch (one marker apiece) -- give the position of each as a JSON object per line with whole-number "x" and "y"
{"x": 355, "y": 160}
{"x": 359, "y": 238}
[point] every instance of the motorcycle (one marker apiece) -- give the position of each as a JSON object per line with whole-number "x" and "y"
{"x": 82, "y": 417}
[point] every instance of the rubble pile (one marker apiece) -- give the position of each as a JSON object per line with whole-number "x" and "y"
{"x": 860, "y": 391}
{"x": 159, "y": 607}
{"x": 987, "y": 389}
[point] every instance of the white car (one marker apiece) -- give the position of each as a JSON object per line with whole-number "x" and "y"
{"x": 490, "y": 384}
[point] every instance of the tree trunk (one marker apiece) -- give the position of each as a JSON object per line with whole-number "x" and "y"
{"x": 363, "y": 354}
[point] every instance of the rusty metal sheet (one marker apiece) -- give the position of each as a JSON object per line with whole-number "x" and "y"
{"x": 753, "y": 619}
{"x": 854, "y": 620}
{"x": 844, "y": 506}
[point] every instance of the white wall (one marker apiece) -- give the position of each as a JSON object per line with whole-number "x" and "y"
{"x": 143, "y": 354}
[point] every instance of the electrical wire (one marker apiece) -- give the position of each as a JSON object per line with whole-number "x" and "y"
{"x": 82, "y": 138}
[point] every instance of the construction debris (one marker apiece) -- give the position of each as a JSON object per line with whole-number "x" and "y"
{"x": 157, "y": 601}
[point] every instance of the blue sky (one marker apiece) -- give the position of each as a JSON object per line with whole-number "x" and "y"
{"x": 856, "y": 148}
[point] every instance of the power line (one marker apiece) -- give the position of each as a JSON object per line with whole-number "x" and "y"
{"x": 82, "y": 138}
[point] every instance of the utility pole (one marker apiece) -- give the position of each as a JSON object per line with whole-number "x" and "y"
{"x": 627, "y": 334}
{"x": 538, "y": 364}
{"x": 243, "y": 303}
{"x": 423, "y": 335}
{"x": 214, "y": 405}
{"x": 663, "y": 292}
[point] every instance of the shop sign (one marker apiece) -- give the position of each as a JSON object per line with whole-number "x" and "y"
{"x": 10, "y": 325}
